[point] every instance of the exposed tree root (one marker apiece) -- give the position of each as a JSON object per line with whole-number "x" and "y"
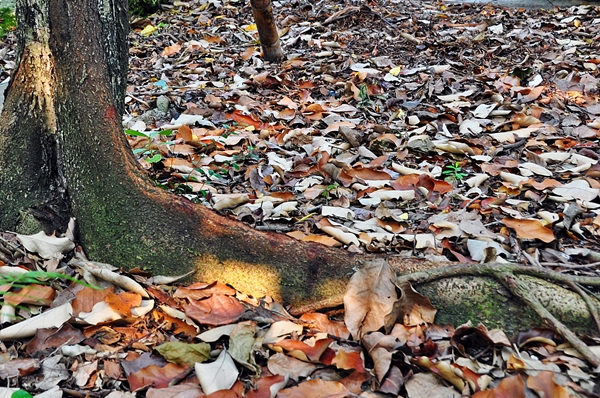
{"x": 511, "y": 277}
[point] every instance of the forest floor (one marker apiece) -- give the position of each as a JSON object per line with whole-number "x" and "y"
{"x": 444, "y": 131}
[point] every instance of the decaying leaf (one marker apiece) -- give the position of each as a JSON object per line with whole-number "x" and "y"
{"x": 369, "y": 298}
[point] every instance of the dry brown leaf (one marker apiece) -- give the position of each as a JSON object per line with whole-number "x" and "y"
{"x": 530, "y": 229}
{"x": 324, "y": 324}
{"x": 170, "y": 50}
{"x": 216, "y": 310}
{"x": 315, "y": 389}
{"x": 543, "y": 383}
{"x": 282, "y": 364}
{"x": 369, "y": 298}
{"x": 512, "y": 387}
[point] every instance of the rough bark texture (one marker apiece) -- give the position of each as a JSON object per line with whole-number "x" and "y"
{"x": 267, "y": 30}
{"x": 62, "y": 151}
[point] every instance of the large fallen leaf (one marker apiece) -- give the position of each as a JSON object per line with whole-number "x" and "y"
{"x": 380, "y": 348}
{"x": 46, "y": 246}
{"x": 530, "y": 229}
{"x": 31, "y": 294}
{"x": 53, "y": 318}
{"x": 216, "y": 310}
{"x": 301, "y": 350}
{"x": 122, "y": 281}
{"x": 543, "y": 383}
{"x": 411, "y": 309}
{"x": 369, "y": 297}
{"x": 218, "y": 375}
{"x": 15, "y": 368}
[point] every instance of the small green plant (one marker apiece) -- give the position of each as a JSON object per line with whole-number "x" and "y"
{"x": 363, "y": 94}
{"x": 454, "y": 172}
{"x": 149, "y": 152}
{"x": 327, "y": 192}
{"x": 7, "y": 21}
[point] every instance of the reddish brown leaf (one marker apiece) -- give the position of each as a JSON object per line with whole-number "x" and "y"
{"x": 52, "y": 338}
{"x": 435, "y": 187}
{"x": 170, "y": 50}
{"x": 113, "y": 370}
{"x": 86, "y": 298}
{"x": 405, "y": 182}
{"x": 368, "y": 174}
{"x": 303, "y": 351}
{"x": 348, "y": 360}
{"x": 216, "y": 310}
{"x": 324, "y": 324}
{"x": 18, "y": 368}
{"x": 155, "y": 376}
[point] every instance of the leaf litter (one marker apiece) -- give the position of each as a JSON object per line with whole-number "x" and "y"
{"x": 438, "y": 130}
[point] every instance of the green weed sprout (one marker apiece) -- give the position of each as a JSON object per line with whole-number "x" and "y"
{"x": 454, "y": 172}
{"x": 151, "y": 154}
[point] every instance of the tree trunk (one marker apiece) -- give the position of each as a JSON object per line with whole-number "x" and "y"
{"x": 63, "y": 152}
{"x": 62, "y": 147}
{"x": 267, "y": 30}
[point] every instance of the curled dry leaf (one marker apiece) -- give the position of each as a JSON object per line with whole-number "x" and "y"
{"x": 46, "y": 246}
{"x": 122, "y": 281}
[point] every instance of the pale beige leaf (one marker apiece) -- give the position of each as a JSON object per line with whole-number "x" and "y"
{"x": 46, "y": 246}
{"x": 53, "y": 318}
{"x": 218, "y": 375}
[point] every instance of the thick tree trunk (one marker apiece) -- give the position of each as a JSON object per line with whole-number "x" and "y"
{"x": 267, "y": 30}
{"x": 63, "y": 152}
{"x": 61, "y": 141}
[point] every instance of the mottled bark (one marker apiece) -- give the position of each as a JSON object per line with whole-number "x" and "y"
{"x": 267, "y": 30}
